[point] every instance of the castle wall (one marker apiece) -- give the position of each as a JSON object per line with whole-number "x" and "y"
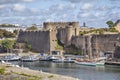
{"x": 95, "y": 44}
{"x": 39, "y": 40}
{"x": 56, "y": 25}
{"x": 45, "y": 41}
{"x": 62, "y": 35}
{"x": 65, "y": 34}
{"x": 117, "y": 52}
{"x": 53, "y": 39}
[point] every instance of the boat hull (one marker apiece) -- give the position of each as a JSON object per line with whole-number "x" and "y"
{"x": 27, "y": 60}
{"x": 90, "y": 63}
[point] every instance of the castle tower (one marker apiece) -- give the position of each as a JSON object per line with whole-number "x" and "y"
{"x": 69, "y": 35}
{"x": 76, "y": 31}
{"x": 75, "y": 24}
{"x": 76, "y": 28}
{"x": 53, "y": 39}
{"x": 47, "y": 25}
{"x": 84, "y": 24}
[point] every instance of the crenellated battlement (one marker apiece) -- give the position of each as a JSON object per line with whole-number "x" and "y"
{"x": 56, "y": 25}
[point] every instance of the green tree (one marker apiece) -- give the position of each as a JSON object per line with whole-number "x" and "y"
{"x": 59, "y": 45}
{"x": 16, "y": 31}
{"x": 28, "y": 47}
{"x": 32, "y": 28}
{"x": 1, "y": 34}
{"x": 110, "y": 23}
{"x": 9, "y": 34}
{"x": 7, "y": 44}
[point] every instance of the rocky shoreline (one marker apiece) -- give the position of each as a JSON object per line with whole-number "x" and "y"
{"x": 13, "y": 72}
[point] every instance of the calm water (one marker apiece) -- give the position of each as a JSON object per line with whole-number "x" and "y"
{"x": 75, "y": 70}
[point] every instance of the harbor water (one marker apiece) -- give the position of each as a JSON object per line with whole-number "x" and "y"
{"x": 74, "y": 70}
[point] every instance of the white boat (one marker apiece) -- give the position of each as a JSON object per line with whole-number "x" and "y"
{"x": 90, "y": 63}
{"x": 29, "y": 58}
{"x": 44, "y": 58}
{"x": 52, "y": 57}
{"x": 68, "y": 60}
{"x": 10, "y": 58}
{"x": 58, "y": 60}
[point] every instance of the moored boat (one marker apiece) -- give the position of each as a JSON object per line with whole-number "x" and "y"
{"x": 62, "y": 60}
{"x": 10, "y": 58}
{"x": 58, "y": 60}
{"x": 90, "y": 63}
{"x": 30, "y": 58}
{"x": 44, "y": 58}
{"x": 68, "y": 60}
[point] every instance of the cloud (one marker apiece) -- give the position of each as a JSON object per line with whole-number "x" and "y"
{"x": 2, "y": 6}
{"x": 73, "y": 1}
{"x": 22, "y": 20}
{"x": 19, "y": 7}
{"x": 87, "y": 6}
{"x": 62, "y": 7}
{"x": 78, "y": 1}
{"x": 94, "y": 12}
{"x": 14, "y": 1}
{"x": 28, "y": 0}
{"x": 113, "y": 0}
{"x": 85, "y": 15}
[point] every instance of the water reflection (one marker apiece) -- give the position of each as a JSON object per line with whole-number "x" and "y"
{"x": 74, "y": 70}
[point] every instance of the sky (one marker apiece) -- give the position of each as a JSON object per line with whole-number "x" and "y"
{"x": 95, "y": 13}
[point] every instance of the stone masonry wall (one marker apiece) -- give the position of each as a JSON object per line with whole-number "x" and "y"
{"x": 39, "y": 40}
{"x": 97, "y": 43}
{"x": 53, "y": 39}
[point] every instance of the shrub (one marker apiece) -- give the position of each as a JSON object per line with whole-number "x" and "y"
{"x": 2, "y": 70}
{"x": 51, "y": 76}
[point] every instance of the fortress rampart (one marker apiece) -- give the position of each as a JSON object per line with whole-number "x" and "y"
{"x": 56, "y": 25}
{"x": 68, "y": 33}
{"x": 39, "y": 40}
{"x": 46, "y": 40}
{"x": 95, "y": 44}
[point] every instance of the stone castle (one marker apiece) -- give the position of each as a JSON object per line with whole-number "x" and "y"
{"x": 45, "y": 40}
{"x": 68, "y": 34}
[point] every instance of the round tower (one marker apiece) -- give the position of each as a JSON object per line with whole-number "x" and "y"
{"x": 47, "y": 25}
{"x": 76, "y": 31}
{"x": 75, "y": 24}
{"x": 69, "y": 34}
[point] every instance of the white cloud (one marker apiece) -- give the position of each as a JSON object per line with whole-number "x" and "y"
{"x": 87, "y": 6}
{"x": 28, "y": 0}
{"x": 85, "y": 14}
{"x": 2, "y": 6}
{"x": 73, "y": 6}
{"x": 64, "y": 15}
{"x": 60, "y": 6}
{"x": 97, "y": 14}
{"x": 19, "y": 7}
{"x": 34, "y": 10}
